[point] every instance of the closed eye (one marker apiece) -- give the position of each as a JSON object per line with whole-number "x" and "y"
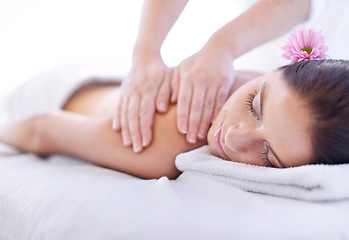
{"x": 252, "y": 110}
{"x": 265, "y": 158}
{"x": 249, "y": 104}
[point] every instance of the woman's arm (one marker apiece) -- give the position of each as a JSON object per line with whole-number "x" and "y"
{"x": 91, "y": 138}
{"x": 264, "y": 21}
{"x": 158, "y": 17}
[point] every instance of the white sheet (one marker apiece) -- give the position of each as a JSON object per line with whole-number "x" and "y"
{"x": 65, "y": 198}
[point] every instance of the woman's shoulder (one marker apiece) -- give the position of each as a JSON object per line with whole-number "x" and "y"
{"x": 166, "y": 135}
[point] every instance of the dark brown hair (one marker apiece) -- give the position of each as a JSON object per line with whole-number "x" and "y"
{"x": 324, "y": 85}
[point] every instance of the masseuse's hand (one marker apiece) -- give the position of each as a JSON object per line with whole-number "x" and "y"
{"x": 200, "y": 86}
{"x": 145, "y": 89}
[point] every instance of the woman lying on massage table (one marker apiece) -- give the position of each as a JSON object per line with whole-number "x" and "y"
{"x": 296, "y": 115}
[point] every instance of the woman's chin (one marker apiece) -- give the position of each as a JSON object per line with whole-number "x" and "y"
{"x": 214, "y": 151}
{"x": 211, "y": 143}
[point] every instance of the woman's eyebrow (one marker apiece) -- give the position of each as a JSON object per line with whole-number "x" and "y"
{"x": 261, "y": 108}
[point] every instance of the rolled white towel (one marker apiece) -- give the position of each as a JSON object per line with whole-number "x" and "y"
{"x": 308, "y": 182}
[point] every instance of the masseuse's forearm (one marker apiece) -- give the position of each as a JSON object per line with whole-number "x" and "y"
{"x": 264, "y": 21}
{"x": 158, "y": 17}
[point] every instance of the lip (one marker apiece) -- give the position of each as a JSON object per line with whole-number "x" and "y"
{"x": 217, "y": 141}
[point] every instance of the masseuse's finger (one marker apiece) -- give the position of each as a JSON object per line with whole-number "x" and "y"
{"x": 196, "y": 109}
{"x": 117, "y": 115}
{"x": 133, "y": 119}
{"x": 163, "y": 96}
{"x": 174, "y": 85}
{"x": 221, "y": 97}
{"x": 207, "y": 114}
{"x": 146, "y": 118}
{"x": 126, "y": 138}
{"x": 183, "y": 107}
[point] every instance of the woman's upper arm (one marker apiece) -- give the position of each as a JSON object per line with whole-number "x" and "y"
{"x": 92, "y": 139}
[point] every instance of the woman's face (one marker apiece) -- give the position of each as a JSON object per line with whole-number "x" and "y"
{"x": 263, "y": 123}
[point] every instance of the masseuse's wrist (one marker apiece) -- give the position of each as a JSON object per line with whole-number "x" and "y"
{"x": 142, "y": 57}
{"x": 219, "y": 46}
{"x": 230, "y": 42}
{"x": 146, "y": 49}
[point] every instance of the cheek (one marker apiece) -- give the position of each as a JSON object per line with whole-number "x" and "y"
{"x": 230, "y": 113}
{"x": 234, "y": 110}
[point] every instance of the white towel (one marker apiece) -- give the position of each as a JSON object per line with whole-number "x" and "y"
{"x": 49, "y": 90}
{"x": 308, "y": 182}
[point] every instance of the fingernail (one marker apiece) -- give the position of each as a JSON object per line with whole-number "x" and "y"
{"x": 202, "y": 134}
{"x": 145, "y": 142}
{"x": 184, "y": 128}
{"x": 192, "y": 138}
{"x": 137, "y": 148}
{"x": 162, "y": 106}
{"x": 127, "y": 142}
{"x": 114, "y": 125}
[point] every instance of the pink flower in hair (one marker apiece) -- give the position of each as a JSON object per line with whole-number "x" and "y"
{"x": 305, "y": 44}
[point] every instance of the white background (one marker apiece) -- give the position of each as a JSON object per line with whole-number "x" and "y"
{"x": 36, "y": 34}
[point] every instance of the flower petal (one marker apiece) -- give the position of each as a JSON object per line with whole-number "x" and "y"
{"x": 302, "y": 38}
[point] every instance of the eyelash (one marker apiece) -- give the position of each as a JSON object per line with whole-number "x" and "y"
{"x": 266, "y": 160}
{"x": 249, "y": 104}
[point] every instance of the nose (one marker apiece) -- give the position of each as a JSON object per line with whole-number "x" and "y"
{"x": 242, "y": 138}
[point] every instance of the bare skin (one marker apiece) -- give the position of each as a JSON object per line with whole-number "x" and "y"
{"x": 200, "y": 84}
{"x": 271, "y": 125}
{"x": 82, "y": 129}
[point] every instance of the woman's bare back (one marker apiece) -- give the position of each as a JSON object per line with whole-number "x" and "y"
{"x": 94, "y": 100}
